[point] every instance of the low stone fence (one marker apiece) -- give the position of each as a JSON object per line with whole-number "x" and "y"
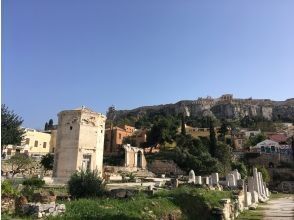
{"x": 115, "y": 169}
{"x": 41, "y": 210}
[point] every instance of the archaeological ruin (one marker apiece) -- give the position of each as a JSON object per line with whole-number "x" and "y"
{"x": 80, "y": 140}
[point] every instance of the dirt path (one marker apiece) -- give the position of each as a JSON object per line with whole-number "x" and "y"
{"x": 282, "y": 208}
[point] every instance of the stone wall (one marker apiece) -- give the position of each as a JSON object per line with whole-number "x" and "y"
{"x": 286, "y": 186}
{"x": 164, "y": 167}
{"x": 7, "y": 204}
{"x": 115, "y": 169}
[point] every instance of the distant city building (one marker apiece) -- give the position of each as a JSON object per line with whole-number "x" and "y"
{"x": 114, "y": 137}
{"x": 271, "y": 153}
{"x": 198, "y": 132}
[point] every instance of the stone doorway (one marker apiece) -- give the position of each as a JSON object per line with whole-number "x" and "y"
{"x": 86, "y": 162}
{"x": 139, "y": 159}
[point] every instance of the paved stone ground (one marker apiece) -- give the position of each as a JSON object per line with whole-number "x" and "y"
{"x": 282, "y": 208}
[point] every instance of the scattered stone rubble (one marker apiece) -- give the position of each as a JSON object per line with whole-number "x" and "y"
{"x": 41, "y": 210}
{"x": 44, "y": 205}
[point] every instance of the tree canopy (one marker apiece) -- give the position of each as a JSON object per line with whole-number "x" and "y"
{"x": 11, "y": 132}
{"x": 47, "y": 161}
{"x": 212, "y": 140}
{"x": 192, "y": 154}
{"x": 253, "y": 140}
{"x": 163, "y": 130}
{"x": 20, "y": 163}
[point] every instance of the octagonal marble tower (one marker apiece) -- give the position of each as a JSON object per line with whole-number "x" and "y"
{"x": 79, "y": 144}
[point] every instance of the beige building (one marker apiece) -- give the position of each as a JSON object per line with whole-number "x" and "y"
{"x": 79, "y": 143}
{"x": 35, "y": 143}
{"x": 38, "y": 143}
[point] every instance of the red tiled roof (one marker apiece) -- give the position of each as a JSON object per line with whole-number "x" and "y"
{"x": 278, "y": 138}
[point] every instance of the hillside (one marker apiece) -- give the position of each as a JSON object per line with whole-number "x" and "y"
{"x": 224, "y": 107}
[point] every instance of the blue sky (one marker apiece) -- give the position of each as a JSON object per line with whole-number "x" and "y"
{"x": 59, "y": 55}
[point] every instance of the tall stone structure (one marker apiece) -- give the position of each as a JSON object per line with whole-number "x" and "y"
{"x": 80, "y": 141}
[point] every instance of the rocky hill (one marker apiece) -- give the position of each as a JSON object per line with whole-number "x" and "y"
{"x": 224, "y": 107}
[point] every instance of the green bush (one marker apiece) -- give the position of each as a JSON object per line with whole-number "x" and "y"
{"x": 28, "y": 192}
{"x": 34, "y": 182}
{"x": 85, "y": 184}
{"x": 7, "y": 189}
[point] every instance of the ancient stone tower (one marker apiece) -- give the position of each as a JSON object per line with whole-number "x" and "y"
{"x": 79, "y": 144}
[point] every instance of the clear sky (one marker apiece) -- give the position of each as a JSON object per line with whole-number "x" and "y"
{"x": 61, "y": 54}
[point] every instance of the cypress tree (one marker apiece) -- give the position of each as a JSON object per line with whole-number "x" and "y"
{"x": 212, "y": 139}
{"x": 46, "y": 126}
{"x": 50, "y": 125}
{"x": 183, "y": 127}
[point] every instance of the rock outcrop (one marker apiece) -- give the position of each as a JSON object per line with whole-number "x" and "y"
{"x": 224, "y": 107}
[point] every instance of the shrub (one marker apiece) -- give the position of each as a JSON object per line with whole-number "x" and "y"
{"x": 7, "y": 189}
{"x": 240, "y": 166}
{"x": 85, "y": 184}
{"x": 34, "y": 182}
{"x": 28, "y": 192}
{"x": 47, "y": 161}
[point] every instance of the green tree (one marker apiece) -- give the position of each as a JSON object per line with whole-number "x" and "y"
{"x": 183, "y": 126}
{"x": 265, "y": 174}
{"x": 223, "y": 130}
{"x": 50, "y": 124}
{"x": 253, "y": 140}
{"x": 47, "y": 161}
{"x": 223, "y": 154}
{"x": 246, "y": 122}
{"x": 163, "y": 130}
{"x": 212, "y": 140}
{"x": 46, "y": 126}
{"x": 190, "y": 153}
{"x": 11, "y": 132}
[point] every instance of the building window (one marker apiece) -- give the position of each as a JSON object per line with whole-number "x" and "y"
{"x": 70, "y": 127}
{"x": 36, "y": 143}
{"x": 273, "y": 149}
{"x": 119, "y": 136}
{"x": 44, "y": 144}
{"x": 27, "y": 141}
{"x": 262, "y": 149}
